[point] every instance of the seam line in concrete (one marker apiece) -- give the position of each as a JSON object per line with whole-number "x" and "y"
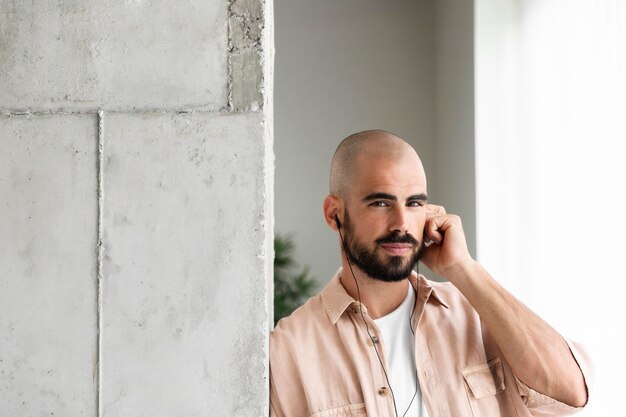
{"x": 19, "y": 113}
{"x": 100, "y": 251}
{"x": 229, "y": 59}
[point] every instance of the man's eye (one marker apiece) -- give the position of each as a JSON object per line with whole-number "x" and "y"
{"x": 379, "y": 204}
{"x": 416, "y": 203}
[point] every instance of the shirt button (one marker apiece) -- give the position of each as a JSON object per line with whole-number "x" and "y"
{"x": 373, "y": 340}
{"x": 383, "y": 392}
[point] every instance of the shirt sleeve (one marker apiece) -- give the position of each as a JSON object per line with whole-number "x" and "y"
{"x": 543, "y": 406}
{"x": 275, "y": 409}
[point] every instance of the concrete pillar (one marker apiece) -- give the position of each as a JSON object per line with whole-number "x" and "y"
{"x": 48, "y": 285}
{"x": 136, "y": 215}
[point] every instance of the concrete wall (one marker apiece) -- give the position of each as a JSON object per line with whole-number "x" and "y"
{"x": 405, "y": 66}
{"x": 136, "y": 207}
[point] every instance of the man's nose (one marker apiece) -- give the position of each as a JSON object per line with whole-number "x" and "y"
{"x": 398, "y": 221}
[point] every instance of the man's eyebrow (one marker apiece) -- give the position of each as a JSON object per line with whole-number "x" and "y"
{"x": 379, "y": 196}
{"x": 421, "y": 196}
{"x": 385, "y": 196}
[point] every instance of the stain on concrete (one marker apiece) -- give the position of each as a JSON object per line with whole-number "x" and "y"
{"x": 245, "y": 55}
{"x": 9, "y": 28}
{"x": 121, "y": 220}
{"x": 251, "y": 8}
{"x": 27, "y": 254}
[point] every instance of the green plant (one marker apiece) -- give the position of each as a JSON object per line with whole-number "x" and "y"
{"x": 291, "y": 290}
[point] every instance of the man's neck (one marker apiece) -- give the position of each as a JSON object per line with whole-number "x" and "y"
{"x": 380, "y": 297}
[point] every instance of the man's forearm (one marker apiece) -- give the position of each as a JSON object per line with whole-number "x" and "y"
{"x": 537, "y": 354}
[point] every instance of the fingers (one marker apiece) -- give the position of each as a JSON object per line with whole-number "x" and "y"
{"x": 446, "y": 231}
{"x": 431, "y": 227}
{"x": 438, "y": 223}
{"x": 434, "y": 210}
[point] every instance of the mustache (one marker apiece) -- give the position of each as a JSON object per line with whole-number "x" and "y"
{"x": 398, "y": 238}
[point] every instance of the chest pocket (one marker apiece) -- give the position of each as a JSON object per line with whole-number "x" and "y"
{"x": 350, "y": 410}
{"x": 485, "y": 388}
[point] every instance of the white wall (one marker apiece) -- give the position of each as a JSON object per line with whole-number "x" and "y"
{"x": 551, "y": 100}
{"x": 136, "y": 208}
{"x": 343, "y": 67}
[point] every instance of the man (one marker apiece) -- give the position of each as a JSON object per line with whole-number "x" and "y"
{"x": 381, "y": 340}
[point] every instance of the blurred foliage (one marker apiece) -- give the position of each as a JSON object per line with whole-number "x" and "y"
{"x": 291, "y": 289}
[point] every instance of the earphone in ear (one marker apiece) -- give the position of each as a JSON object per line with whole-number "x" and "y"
{"x": 337, "y": 221}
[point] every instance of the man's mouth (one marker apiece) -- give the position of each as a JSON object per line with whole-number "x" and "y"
{"x": 397, "y": 249}
{"x": 398, "y": 245}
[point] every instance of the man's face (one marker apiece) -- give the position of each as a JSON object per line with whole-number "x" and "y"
{"x": 384, "y": 218}
{"x": 373, "y": 262}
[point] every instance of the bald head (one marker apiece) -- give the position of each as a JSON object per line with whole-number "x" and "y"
{"x": 356, "y": 150}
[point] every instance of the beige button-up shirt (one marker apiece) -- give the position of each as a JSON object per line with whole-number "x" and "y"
{"x": 322, "y": 362}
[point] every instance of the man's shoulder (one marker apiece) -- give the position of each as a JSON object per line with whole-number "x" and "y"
{"x": 449, "y": 294}
{"x": 444, "y": 288}
{"x": 313, "y": 319}
{"x": 302, "y": 323}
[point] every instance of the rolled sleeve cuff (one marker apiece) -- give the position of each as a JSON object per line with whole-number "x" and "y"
{"x": 545, "y": 406}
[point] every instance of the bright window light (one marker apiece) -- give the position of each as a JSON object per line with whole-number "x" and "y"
{"x": 551, "y": 170}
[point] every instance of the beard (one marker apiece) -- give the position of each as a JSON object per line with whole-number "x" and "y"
{"x": 377, "y": 266}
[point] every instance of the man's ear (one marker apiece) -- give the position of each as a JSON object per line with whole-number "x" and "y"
{"x": 333, "y": 206}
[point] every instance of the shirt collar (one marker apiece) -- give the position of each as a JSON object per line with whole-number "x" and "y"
{"x": 336, "y": 299}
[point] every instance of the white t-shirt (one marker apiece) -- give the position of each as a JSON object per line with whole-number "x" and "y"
{"x": 397, "y": 339}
